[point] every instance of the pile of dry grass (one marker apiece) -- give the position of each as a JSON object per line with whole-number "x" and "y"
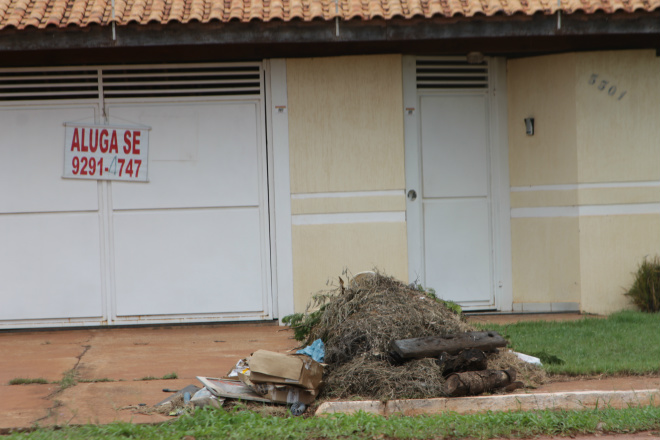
{"x": 357, "y": 324}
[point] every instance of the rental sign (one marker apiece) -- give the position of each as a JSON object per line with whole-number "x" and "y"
{"x": 106, "y": 152}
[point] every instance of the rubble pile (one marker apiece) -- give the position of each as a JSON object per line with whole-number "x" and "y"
{"x": 359, "y": 321}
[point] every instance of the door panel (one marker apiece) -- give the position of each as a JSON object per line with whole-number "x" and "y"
{"x": 188, "y": 261}
{"x": 31, "y": 162}
{"x": 454, "y": 146}
{"x": 456, "y": 215}
{"x": 457, "y": 249}
{"x": 209, "y": 159}
{"x": 50, "y": 266}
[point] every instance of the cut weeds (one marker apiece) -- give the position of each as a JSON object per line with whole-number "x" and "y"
{"x": 212, "y": 424}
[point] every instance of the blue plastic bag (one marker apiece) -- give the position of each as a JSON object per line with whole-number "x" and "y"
{"x": 316, "y": 351}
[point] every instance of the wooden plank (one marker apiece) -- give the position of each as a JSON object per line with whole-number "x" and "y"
{"x": 433, "y": 346}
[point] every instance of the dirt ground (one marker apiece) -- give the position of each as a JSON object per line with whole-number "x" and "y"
{"x": 111, "y": 366}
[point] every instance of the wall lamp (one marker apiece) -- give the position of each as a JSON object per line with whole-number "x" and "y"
{"x": 529, "y": 126}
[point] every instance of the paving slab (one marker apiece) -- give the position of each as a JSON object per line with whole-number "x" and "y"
{"x": 23, "y": 405}
{"x": 107, "y": 402}
{"x": 40, "y": 354}
{"x": 124, "y": 356}
{"x": 195, "y": 351}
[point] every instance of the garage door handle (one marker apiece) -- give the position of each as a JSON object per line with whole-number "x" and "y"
{"x": 412, "y": 195}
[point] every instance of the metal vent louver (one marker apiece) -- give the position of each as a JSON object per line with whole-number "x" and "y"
{"x": 145, "y": 81}
{"x": 48, "y": 84}
{"x": 451, "y": 73}
{"x": 182, "y": 80}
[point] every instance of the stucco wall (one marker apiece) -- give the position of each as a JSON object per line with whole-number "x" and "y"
{"x": 347, "y": 169}
{"x": 585, "y": 193}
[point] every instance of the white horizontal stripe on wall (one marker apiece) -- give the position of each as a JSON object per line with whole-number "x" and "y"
{"x": 588, "y": 210}
{"x": 350, "y": 217}
{"x": 555, "y": 211}
{"x": 574, "y": 186}
{"x": 331, "y": 195}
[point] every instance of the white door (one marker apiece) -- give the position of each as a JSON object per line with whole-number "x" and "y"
{"x": 454, "y": 236}
{"x": 455, "y": 197}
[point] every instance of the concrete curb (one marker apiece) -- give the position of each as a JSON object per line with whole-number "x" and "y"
{"x": 508, "y": 402}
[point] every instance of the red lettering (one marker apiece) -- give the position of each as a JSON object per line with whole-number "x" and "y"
{"x": 83, "y": 147}
{"x": 75, "y": 142}
{"x": 113, "y": 142}
{"x": 136, "y": 142}
{"x": 127, "y": 142}
{"x": 138, "y": 162}
{"x": 104, "y": 141}
{"x": 93, "y": 146}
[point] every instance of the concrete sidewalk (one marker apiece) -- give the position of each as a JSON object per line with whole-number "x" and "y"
{"x": 122, "y": 357}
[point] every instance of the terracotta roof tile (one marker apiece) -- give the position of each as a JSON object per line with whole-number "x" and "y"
{"x": 21, "y": 14}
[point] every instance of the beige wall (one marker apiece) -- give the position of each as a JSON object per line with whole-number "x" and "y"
{"x": 581, "y": 224}
{"x": 322, "y": 252}
{"x": 618, "y": 139}
{"x": 542, "y": 88}
{"x": 611, "y": 248}
{"x": 345, "y": 123}
{"x": 347, "y": 160}
{"x": 546, "y": 260}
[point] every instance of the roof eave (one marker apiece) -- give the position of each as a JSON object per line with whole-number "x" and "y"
{"x": 495, "y": 35}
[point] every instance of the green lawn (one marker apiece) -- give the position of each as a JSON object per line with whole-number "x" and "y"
{"x": 219, "y": 424}
{"x": 624, "y": 343}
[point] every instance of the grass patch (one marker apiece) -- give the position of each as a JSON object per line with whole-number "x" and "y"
{"x": 645, "y": 291}
{"x": 103, "y": 379}
{"x": 212, "y": 424}
{"x": 166, "y": 377}
{"x": 626, "y": 342}
{"x": 69, "y": 379}
{"x": 27, "y": 381}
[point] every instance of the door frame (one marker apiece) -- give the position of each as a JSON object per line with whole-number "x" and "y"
{"x": 499, "y": 178}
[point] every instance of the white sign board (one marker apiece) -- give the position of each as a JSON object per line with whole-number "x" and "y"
{"x": 106, "y": 152}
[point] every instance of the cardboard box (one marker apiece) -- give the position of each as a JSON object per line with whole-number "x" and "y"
{"x": 288, "y": 394}
{"x": 232, "y": 389}
{"x": 278, "y": 393}
{"x": 287, "y": 369}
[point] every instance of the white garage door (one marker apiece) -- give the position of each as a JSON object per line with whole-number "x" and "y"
{"x": 191, "y": 244}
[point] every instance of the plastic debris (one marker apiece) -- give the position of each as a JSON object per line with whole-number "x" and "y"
{"x": 298, "y": 409}
{"x": 204, "y": 397}
{"x": 190, "y": 389}
{"x": 316, "y": 351}
{"x": 240, "y": 367}
{"x": 529, "y": 359}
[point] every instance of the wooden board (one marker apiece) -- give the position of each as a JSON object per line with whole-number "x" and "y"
{"x": 433, "y": 346}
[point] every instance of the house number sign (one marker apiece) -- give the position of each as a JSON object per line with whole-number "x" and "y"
{"x": 604, "y": 85}
{"x": 106, "y": 152}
